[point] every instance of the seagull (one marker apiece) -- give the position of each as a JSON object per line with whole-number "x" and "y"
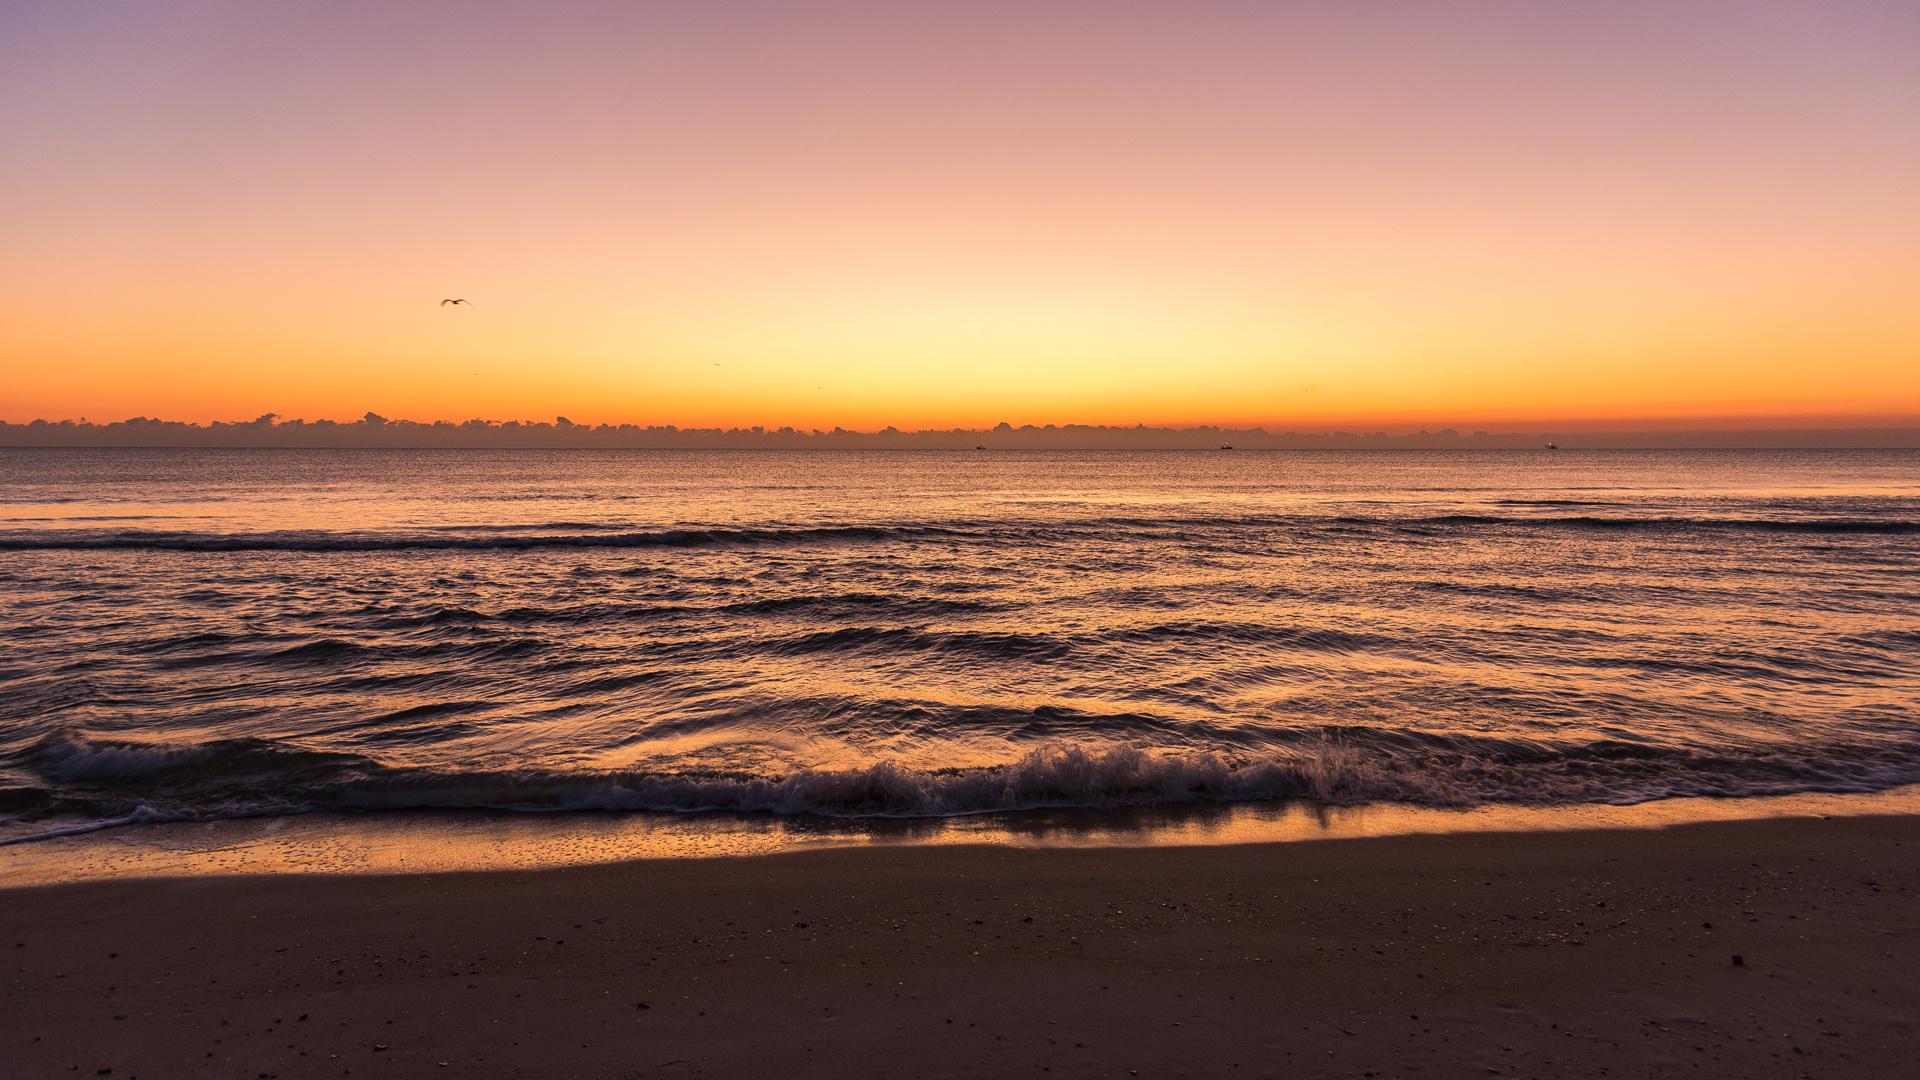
{"x": 444, "y": 303}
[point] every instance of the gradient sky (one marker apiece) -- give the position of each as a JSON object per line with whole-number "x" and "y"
{"x": 953, "y": 214}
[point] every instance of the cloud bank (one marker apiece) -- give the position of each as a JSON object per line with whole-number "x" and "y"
{"x": 373, "y": 430}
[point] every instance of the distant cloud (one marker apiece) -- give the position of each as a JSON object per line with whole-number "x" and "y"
{"x": 374, "y": 430}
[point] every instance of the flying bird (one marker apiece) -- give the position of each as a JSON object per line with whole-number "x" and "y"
{"x": 444, "y": 303}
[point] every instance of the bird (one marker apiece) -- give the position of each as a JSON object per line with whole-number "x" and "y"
{"x": 444, "y": 303}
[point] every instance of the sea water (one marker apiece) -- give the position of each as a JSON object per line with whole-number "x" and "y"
{"x": 209, "y": 634}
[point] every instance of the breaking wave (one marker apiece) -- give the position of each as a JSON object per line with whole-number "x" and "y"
{"x": 120, "y": 783}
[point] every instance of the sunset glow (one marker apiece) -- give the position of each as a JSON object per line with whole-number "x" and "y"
{"x": 938, "y": 215}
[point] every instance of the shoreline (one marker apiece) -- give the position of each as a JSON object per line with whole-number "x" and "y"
{"x": 463, "y": 840}
{"x": 1599, "y": 952}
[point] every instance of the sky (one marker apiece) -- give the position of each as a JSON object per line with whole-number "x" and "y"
{"x": 734, "y": 212}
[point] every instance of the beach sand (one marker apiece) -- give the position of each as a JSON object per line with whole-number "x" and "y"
{"x": 1537, "y": 954}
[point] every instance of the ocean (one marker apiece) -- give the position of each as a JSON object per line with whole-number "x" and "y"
{"x": 199, "y": 635}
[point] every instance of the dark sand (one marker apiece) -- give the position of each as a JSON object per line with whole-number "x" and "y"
{"x": 1525, "y": 954}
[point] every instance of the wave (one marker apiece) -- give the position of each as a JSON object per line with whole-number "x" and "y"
{"x": 350, "y": 542}
{"x": 499, "y": 538}
{"x": 576, "y": 534}
{"x": 125, "y": 783}
{"x": 1554, "y": 502}
{"x": 1810, "y": 525}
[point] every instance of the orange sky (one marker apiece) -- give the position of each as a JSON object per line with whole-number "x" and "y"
{"x": 953, "y": 214}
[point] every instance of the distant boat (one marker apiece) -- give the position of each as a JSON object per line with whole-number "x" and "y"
{"x": 1551, "y": 446}
{"x": 1226, "y": 446}
{"x": 979, "y": 448}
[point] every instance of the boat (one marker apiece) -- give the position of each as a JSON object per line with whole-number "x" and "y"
{"x": 1226, "y": 446}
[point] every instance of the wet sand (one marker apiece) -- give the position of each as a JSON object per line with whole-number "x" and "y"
{"x": 1514, "y": 954}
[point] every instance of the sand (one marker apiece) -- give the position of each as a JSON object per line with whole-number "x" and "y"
{"x": 1602, "y": 953}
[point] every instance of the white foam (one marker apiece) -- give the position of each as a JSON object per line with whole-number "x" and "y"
{"x": 1049, "y": 777}
{"x": 143, "y": 814}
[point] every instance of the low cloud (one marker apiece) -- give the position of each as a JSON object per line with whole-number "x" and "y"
{"x": 374, "y": 430}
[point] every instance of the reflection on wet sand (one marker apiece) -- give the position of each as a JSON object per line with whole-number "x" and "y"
{"x": 451, "y": 841}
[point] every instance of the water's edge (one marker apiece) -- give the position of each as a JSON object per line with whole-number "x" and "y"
{"x": 481, "y": 840}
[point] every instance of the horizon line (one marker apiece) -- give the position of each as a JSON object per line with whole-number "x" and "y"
{"x": 375, "y": 431}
